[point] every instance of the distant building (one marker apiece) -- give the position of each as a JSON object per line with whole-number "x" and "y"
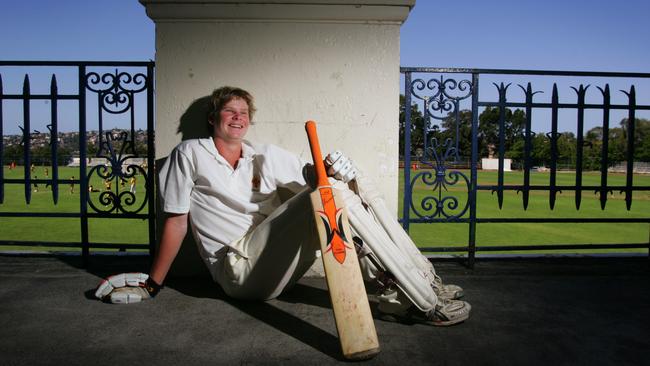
{"x": 493, "y": 164}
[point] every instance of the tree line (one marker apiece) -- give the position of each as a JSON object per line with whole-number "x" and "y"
{"x": 41, "y": 155}
{"x": 515, "y": 121}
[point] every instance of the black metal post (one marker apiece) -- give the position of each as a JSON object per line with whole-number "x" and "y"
{"x": 471, "y": 253}
{"x": 2, "y": 149}
{"x": 408, "y": 190}
{"x": 629, "y": 176}
{"x": 83, "y": 184}
{"x": 554, "y": 137}
{"x": 27, "y": 140}
{"x": 580, "y": 143}
{"x": 151, "y": 163}
{"x": 54, "y": 140}
{"x": 604, "y": 160}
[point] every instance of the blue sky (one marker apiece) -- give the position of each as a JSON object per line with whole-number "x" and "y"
{"x": 593, "y": 35}
{"x": 75, "y": 30}
{"x": 529, "y": 34}
{"x": 582, "y": 35}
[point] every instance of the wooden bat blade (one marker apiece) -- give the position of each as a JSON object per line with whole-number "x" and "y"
{"x": 354, "y": 322}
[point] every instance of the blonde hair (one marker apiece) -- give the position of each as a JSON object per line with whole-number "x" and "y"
{"x": 225, "y": 94}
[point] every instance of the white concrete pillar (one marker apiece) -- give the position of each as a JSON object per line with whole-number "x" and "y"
{"x": 336, "y": 62}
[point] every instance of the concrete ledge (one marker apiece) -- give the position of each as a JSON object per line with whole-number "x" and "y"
{"x": 315, "y": 11}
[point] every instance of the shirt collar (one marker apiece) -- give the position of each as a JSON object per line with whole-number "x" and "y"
{"x": 248, "y": 151}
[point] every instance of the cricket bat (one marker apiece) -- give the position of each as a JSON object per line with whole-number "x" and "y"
{"x": 354, "y": 322}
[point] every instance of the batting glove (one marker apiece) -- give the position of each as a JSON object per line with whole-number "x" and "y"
{"x": 127, "y": 288}
{"x": 340, "y": 167}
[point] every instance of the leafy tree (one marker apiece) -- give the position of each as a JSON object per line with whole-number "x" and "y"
{"x": 566, "y": 150}
{"x": 488, "y": 130}
{"x": 13, "y": 153}
{"x": 592, "y": 151}
{"x": 541, "y": 150}
{"x": 641, "y": 138}
{"x": 617, "y": 146}
{"x": 464, "y": 131}
{"x": 417, "y": 126}
{"x": 516, "y": 152}
{"x": 642, "y": 152}
{"x": 488, "y": 138}
{"x": 92, "y": 149}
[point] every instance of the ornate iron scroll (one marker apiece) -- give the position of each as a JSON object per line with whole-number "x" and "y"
{"x": 441, "y": 104}
{"x": 116, "y": 90}
{"x": 117, "y": 175}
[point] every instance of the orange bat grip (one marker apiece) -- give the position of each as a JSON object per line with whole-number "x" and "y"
{"x": 312, "y": 135}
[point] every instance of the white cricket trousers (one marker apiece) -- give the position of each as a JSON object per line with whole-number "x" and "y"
{"x": 278, "y": 252}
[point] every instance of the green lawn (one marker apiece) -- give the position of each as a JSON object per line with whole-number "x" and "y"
{"x": 425, "y": 235}
{"x": 65, "y": 229}
{"x": 489, "y": 234}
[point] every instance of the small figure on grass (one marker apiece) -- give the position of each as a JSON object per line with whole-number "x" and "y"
{"x": 132, "y": 183}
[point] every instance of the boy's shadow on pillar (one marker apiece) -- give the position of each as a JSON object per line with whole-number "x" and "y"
{"x": 194, "y": 122}
{"x": 193, "y": 125}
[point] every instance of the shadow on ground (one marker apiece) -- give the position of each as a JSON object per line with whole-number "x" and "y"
{"x": 525, "y": 312}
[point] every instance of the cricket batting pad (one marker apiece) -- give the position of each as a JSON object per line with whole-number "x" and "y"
{"x": 372, "y": 198}
{"x": 409, "y": 276}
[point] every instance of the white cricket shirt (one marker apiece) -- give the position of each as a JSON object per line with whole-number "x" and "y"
{"x": 225, "y": 203}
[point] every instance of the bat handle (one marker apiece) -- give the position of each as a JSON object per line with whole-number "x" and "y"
{"x": 317, "y": 156}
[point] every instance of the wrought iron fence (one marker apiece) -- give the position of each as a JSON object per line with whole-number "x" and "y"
{"x": 100, "y": 93}
{"x": 113, "y": 88}
{"x": 444, "y": 123}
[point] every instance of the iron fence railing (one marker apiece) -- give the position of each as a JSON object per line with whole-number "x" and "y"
{"x": 442, "y": 93}
{"x": 98, "y": 93}
{"x": 105, "y": 90}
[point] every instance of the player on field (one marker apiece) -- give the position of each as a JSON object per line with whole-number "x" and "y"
{"x": 256, "y": 246}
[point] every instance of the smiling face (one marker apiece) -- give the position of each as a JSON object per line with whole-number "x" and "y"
{"x": 234, "y": 119}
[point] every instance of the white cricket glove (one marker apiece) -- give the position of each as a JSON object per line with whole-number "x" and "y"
{"x": 340, "y": 167}
{"x": 127, "y": 288}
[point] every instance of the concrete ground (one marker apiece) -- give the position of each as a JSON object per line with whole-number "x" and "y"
{"x": 525, "y": 312}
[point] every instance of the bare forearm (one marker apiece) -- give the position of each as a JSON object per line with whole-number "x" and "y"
{"x": 174, "y": 230}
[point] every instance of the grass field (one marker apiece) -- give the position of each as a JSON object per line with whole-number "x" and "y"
{"x": 492, "y": 234}
{"x": 425, "y": 235}
{"x": 53, "y": 230}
